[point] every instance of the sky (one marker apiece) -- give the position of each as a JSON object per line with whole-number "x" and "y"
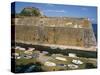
{"x": 58, "y": 10}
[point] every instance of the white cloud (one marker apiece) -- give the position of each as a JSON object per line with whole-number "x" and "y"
{"x": 84, "y": 8}
{"x": 58, "y": 11}
{"x": 50, "y": 5}
{"x": 92, "y": 19}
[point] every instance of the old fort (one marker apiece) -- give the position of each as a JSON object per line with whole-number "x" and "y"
{"x": 67, "y": 31}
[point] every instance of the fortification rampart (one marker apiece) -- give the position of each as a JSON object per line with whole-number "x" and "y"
{"x": 54, "y": 30}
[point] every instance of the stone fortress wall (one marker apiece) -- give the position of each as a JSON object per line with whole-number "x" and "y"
{"x": 54, "y": 30}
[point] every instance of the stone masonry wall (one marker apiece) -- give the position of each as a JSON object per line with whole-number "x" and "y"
{"x": 62, "y": 31}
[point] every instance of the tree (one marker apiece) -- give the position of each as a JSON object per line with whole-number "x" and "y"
{"x": 32, "y": 11}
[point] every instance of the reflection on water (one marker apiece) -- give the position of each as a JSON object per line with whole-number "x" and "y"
{"x": 31, "y": 67}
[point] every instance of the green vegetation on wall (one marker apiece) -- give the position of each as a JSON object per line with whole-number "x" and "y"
{"x": 32, "y": 11}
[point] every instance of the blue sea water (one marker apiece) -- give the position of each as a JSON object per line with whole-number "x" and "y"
{"x": 95, "y": 30}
